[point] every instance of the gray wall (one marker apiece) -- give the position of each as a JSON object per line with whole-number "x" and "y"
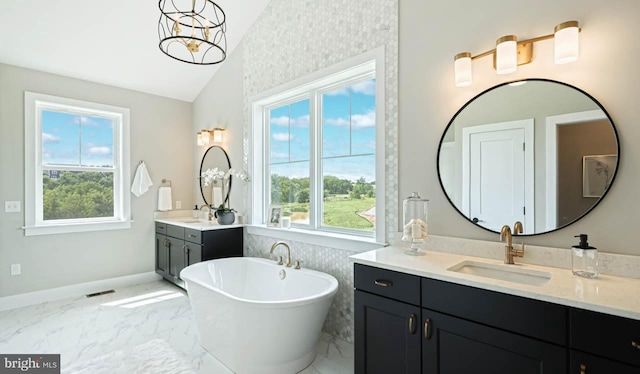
{"x": 574, "y": 142}
{"x": 220, "y": 105}
{"x": 432, "y": 32}
{"x": 160, "y": 135}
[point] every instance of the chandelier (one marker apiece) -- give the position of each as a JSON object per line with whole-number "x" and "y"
{"x": 192, "y": 31}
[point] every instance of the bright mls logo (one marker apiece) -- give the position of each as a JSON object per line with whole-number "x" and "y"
{"x": 41, "y": 364}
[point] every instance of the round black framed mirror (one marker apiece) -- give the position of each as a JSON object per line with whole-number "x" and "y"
{"x": 538, "y": 151}
{"x": 215, "y": 191}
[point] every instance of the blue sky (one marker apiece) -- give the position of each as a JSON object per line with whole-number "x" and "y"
{"x": 348, "y": 128}
{"x": 69, "y": 139}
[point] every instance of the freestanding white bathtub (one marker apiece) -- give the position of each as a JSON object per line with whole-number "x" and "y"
{"x": 252, "y": 319}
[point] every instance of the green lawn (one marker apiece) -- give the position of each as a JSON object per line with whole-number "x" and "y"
{"x": 340, "y": 212}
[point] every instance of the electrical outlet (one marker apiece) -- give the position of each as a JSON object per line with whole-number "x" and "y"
{"x": 178, "y": 204}
{"x": 15, "y": 269}
{"x": 11, "y": 206}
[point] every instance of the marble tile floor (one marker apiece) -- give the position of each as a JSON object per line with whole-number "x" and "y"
{"x": 82, "y": 328}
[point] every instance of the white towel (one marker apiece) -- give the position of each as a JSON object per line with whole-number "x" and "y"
{"x": 141, "y": 181}
{"x": 217, "y": 196}
{"x": 164, "y": 199}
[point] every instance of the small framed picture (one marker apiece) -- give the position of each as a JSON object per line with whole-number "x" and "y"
{"x": 597, "y": 173}
{"x": 275, "y": 213}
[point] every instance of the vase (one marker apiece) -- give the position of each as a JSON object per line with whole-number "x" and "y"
{"x": 225, "y": 218}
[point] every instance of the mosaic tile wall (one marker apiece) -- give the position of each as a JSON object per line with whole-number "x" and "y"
{"x": 293, "y": 38}
{"x": 332, "y": 261}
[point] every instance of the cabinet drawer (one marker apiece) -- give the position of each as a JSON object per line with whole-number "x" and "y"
{"x": 537, "y": 319}
{"x": 193, "y": 236}
{"x": 584, "y": 363}
{"x": 605, "y": 335}
{"x": 161, "y": 228}
{"x": 387, "y": 283}
{"x": 175, "y": 231}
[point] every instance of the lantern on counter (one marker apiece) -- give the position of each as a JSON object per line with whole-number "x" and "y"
{"x": 415, "y": 228}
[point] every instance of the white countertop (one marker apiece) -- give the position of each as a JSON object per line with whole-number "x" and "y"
{"x": 606, "y": 294}
{"x": 196, "y": 224}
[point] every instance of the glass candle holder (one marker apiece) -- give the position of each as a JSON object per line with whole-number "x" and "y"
{"x": 415, "y": 228}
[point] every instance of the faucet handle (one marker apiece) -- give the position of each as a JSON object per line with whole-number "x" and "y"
{"x": 298, "y": 264}
{"x": 519, "y": 252}
{"x": 279, "y": 260}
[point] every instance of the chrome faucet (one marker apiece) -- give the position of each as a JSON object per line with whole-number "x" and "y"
{"x": 509, "y": 251}
{"x": 288, "y": 261}
{"x": 210, "y": 211}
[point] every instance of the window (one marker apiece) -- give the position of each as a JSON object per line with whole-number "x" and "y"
{"x": 318, "y": 147}
{"x": 77, "y": 174}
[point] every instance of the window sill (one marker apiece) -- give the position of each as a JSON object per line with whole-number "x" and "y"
{"x": 76, "y": 227}
{"x": 349, "y": 243}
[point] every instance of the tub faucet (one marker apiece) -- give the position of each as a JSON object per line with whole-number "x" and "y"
{"x": 288, "y": 261}
{"x": 509, "y": 251}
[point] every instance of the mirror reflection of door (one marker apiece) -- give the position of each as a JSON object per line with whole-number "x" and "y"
{"x": 497, "y": 174}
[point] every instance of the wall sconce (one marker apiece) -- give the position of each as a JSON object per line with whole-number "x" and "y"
{"x": 203, "y": 137}
{"x": 510, "y": 53}
{"x": 217, "y": 134}
{"x": 206, "y": 136}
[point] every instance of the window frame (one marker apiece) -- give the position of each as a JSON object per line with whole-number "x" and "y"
{"x": 35, "y": 104}
{"x": 367, "y": 66}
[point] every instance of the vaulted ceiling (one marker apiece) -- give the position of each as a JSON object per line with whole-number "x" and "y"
{"x": 113, "y": 42}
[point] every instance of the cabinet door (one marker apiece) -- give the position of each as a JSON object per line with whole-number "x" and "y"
{"x": 176, "y": 256}
{"x": 192, "y": 253}
{"x": 162, "y": 254}
{"x": 387, "y": 335}
{"x": 455, "y": 346}
{"x": 584, "y": 363}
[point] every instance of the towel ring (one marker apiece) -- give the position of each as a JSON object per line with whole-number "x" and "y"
{"x": 166, "y": 181}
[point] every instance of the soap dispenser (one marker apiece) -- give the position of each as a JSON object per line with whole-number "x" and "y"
{"x": 584, "y": 258}
{"x": 195, "y": 212}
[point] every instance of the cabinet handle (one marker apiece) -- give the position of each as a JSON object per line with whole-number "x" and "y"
{"x": 166, "y": 242}
{"x": 412, "y": 323}
{"x": 185, "y": 249}
{"x": 635, "y": 344}
{"x": 427, "y": 330}
{"x": 191, "y": 236}
{"x": 583, "y": 369}
{"x": 383, "y": 283}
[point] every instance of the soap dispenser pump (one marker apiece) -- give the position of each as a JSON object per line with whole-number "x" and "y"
{"x": 584, "y": 258}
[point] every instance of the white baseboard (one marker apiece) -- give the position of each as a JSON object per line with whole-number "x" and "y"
{"x": 53, "y": 294}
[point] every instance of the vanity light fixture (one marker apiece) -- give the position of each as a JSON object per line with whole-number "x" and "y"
{"x": 203, "y": 137}
{"x": 217, "y": 134}
{"x": 509, "y": 52}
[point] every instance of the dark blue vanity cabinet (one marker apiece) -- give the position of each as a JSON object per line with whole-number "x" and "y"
{"x": 178, "y": 247}
{"x": 408, "y": 324}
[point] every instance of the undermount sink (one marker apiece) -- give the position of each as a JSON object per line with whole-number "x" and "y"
{"x": 509, "y": 273}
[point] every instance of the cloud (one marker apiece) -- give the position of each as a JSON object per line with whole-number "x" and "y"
{"x": 301, "y": 122}
{"x": 99, "y": 150}
{"x": 279, "y": 155}
{"x": 281, "y": 137}
{"x": 340, "y": 92}
{"x": 358, "y": 121}
{"x": 49, "y": 138}
{"x": 366, "y": 88}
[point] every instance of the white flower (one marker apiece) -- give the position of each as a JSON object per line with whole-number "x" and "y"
{"x": 240, "y": 174}
{"x": 209, "y": 175}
